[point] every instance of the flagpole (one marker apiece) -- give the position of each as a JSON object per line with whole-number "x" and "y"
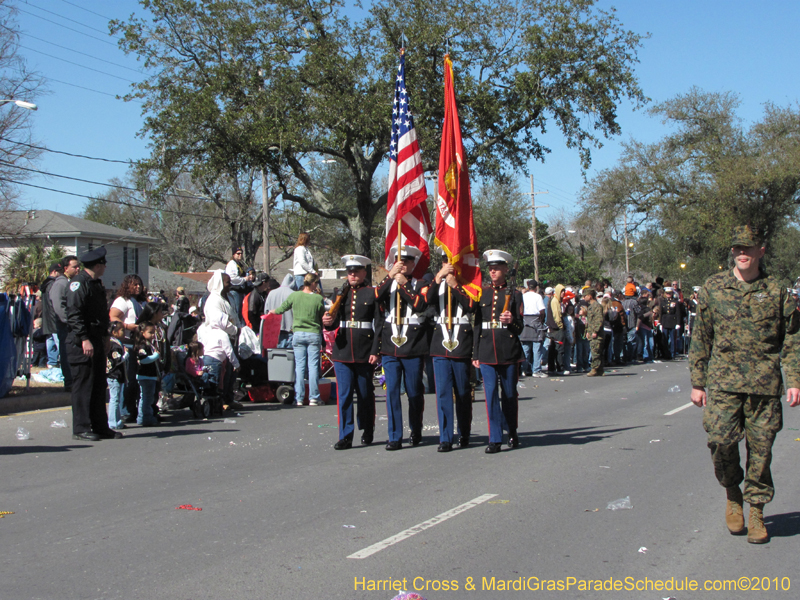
{"x": 399, "y": 256}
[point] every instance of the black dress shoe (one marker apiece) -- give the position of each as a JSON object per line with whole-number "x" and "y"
{"x": 394, "y": 445}
{"x": 86, "y": 436}
{"x": 111, "y": 435}
{"x": 366, "y": 438}
{"x": 513, "y": 439}
{"x": 463, "y": 441}
{"x": 445, "y": 447}
{"x": 343, "y": 444}
{"x": 416, "y": 438}
{"x": 493, "y": 448}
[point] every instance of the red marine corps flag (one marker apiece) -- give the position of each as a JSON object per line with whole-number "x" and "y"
{"x": 455, "y": 230}
{"x": 406, "y": 206}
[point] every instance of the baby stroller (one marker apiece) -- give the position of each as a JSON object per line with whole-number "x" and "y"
{"x": 201, "y": 397}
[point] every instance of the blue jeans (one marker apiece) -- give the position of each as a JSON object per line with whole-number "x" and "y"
{"x": 148, "y": 387}
{"x": 452, "y": 376}
{"x": 214, "y": 379}
{"x": 350, "y": 378}
{"x": 582, "y": 348}
{"x": 306, "y": 347}
{"x": 114, "y": 404}
{"x": 645, "y": 343}
{"x": 52, "y": 350}
{"x": 500, "y": 387}
{"x": 630, "y": 346}
{"x": 409, "y": 369}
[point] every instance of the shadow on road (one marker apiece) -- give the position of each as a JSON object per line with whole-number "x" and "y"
{"x": 785, "y": 525}
{"x": 573, "y": 436}
{"x": 11, "y": 450}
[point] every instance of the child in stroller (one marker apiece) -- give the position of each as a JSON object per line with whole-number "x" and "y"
{"x": 198, "y": 383}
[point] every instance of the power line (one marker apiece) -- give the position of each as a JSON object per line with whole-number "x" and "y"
{"x": 94, "y": 37}
{"x": 83, "y": 53}
{"x": 111, "y": 160}
{"x": 65, "y": 18}
{"x": 120, "y": 202}
{"x": 119, "y": 187}
{"x": 87, "y": 89}
{"x": 87, "y": 10}
{"x": 77, "y": 64}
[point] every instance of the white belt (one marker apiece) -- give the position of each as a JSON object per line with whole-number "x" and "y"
{"x": 454, "y": 320}
{"x": 413, "y": 320}
{"x": 356, "y": 324}
{"x": 493, "y": 325}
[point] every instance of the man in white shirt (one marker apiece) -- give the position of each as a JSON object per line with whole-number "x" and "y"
{"x": 534, "y": 334}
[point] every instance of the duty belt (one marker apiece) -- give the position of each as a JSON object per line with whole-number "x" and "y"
{"x": 493, "y": 325}
{"x": 356, "y": 324}
{"x": 412, "y": 320}
{"x": 454, "y": 320}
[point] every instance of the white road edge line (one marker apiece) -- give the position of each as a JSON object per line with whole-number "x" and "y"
{"x": 370, "y": 550}
{"x": 677, "y": 410}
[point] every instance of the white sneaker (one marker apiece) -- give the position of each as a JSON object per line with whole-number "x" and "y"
{"x": 566, "y": 373}
{"x": 315, "y": 403}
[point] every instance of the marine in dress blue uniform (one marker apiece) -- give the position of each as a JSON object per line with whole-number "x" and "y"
{"x": 355, "y": 351}
{"x": 451, "y": 349}
{"x": 497, "y": 350}
{"x": 403, "y": 345}
{"x": 87, "y": 344}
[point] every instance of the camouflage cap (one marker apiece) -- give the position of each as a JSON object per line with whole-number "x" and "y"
{"x": 747, "y": 236}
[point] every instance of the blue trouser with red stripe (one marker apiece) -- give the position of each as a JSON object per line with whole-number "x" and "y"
{"x": 354, "y": 377}
{"x": 411, "y": 369}
{"x": 451, "y": 376}
{"x": 500, "y": 386}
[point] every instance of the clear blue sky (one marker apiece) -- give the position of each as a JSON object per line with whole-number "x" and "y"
{"x": 742, "y": 46}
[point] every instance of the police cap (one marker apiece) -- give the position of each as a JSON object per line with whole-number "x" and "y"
{"x": 93, "y": 257}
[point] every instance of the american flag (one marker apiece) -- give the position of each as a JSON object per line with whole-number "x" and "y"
{"x": 407, "y": 194}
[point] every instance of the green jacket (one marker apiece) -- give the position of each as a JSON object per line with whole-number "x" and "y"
{"x": 743, "y": 334}
{"x": 594, "y": 320}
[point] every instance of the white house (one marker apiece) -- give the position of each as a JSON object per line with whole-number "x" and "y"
{"x": 127, "y": 252}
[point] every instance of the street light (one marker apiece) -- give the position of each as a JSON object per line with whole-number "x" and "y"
{"x": 536, "y": 249}
{"x": 20, "y": 103}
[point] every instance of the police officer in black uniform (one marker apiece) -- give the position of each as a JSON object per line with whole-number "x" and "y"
{"x": 451, "y": 349}
{"x": 87, "y": 345}
{"x": 403, "y": 343}
{"x": 355, "y": 351}
{"x": 498, "y": 350}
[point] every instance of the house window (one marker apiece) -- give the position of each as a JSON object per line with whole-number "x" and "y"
{"x": 130, "y": 260}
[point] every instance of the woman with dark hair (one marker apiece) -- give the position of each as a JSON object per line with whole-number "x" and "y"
{"x": 303, "y": 262}
{"x": 235, "y": 269}
{"x": 126, "y": 308}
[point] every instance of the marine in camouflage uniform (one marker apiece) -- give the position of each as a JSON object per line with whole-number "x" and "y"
{"x": 594, "y": 331}
{"x": 746, "y": 329}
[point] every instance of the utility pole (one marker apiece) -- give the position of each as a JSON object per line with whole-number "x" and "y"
{"x": 533, "y": 229}
{"x": 627, "y": 266}
{"x": 265, "y": 219}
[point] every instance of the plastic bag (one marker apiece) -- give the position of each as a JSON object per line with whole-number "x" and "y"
{"x": 675, "y": 389}
{"x": 60, "y": 424}
{"x": 23, "y": 434}
{"x": 248, "y": 343}
{"x": 620, "y": 504}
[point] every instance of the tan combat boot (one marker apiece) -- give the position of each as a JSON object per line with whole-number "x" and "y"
{"x": 592, "y": 373}
{"x": 756, "y": 530}
{"x": 734, "y": 511}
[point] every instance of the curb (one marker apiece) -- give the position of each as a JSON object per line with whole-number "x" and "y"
{"x": 38, "y": 402}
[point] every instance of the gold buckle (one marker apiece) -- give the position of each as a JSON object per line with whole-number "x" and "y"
{"x": 353, "y": 324}
{"x": 495, "y": 325}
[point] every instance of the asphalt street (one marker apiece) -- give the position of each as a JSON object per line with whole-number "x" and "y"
{"x": 284, "y": 516}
